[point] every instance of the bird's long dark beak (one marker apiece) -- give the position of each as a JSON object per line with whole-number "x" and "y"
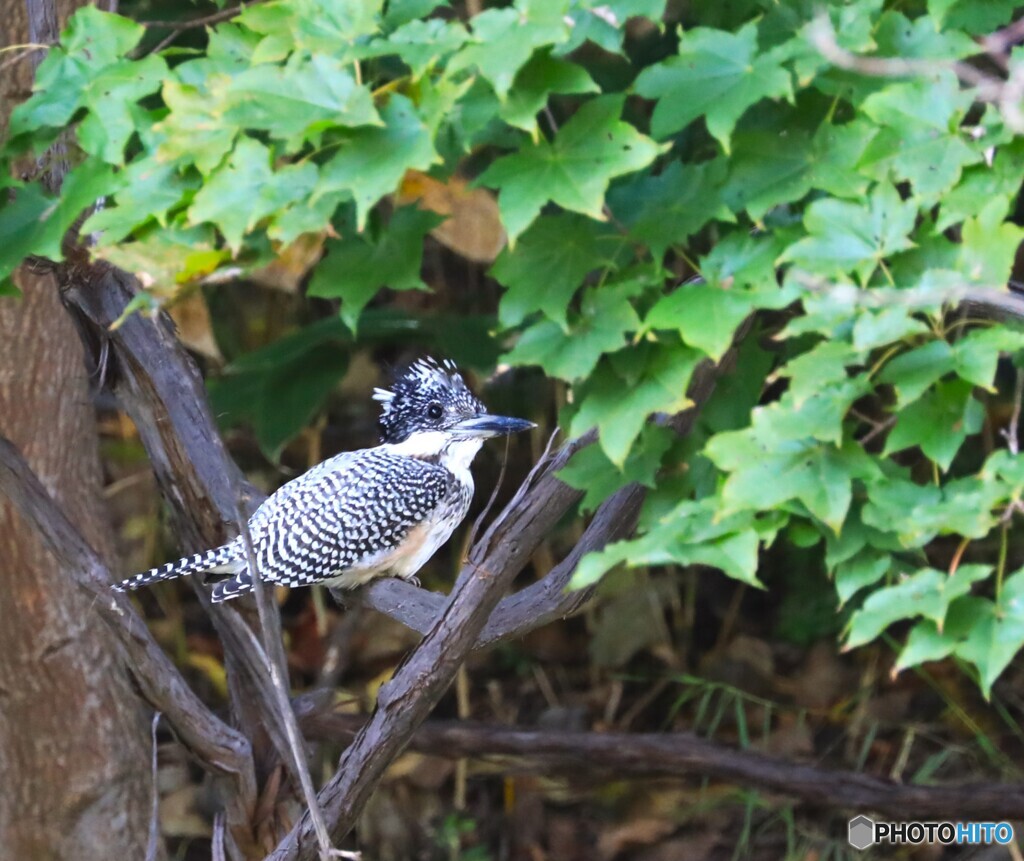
{"x": 490, "y": 426}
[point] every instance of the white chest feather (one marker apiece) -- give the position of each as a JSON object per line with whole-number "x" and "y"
{"x": 424, "y": 539}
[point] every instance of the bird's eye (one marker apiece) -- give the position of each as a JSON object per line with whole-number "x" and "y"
{"x": 435, "y": 410}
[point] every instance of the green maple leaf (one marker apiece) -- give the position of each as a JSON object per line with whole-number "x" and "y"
{"x": 739, "y": 276}
{"x": 299, "y": 99}
{"x": 372, "y": 161}
{"x": 87, "y": 70}
{"x": 149, "y": 190}
{"x": 982, "y": 183}
{"x": 543, "y": 75}
{"x": 993, "y": 637}
{"x": 619, "y": 407}
{"x": 34, "y": 223}
{"x": 926, "y": 593}
{"x": 916, "y": 513}
{"x": 912, "y": 373}
{"x": 356, "y": 267}
{"x": 988, "y": 247}
{"x": 505, "y": 39}
{"x": 666, "y": 209}
{"x": 822, "y": 366}
{"x": 422, "y": 44}
{"x": 717, "y": 75}
{"x": 193, "y": 130}
{"x": 110, "y": 96}
{"x": 337, "y": 30}
{"x": 939, "y": 422}
{"x": 864, "y": 569}
{"x": 549, "y": 263}
{"x": 605, "y": 317}
{"x": 767, "y": 168}
{"x": 602, "y": 23}
{"x": 591, "y": 471}
{"x": 573, "y": 170}
{"x": 246, "y": 190}
{"x": 766, "y": 469}
{"x": 401, "y": 12}
{"x": 846, "y": 236}
{"x": 281, "y": 387}
{"x": 705, "y": 315}
{"x": 691, "y": 533}
{"x": 920, "y": 140}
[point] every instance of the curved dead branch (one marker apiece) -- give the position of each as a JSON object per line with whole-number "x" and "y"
{"x": 685, "y": 756}
{"x": 214, "y": 743}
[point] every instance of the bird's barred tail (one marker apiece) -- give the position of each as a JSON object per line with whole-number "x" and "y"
{"x": 217, "y": 558}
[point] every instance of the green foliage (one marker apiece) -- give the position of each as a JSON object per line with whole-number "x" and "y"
{"x": 659, "y": 185}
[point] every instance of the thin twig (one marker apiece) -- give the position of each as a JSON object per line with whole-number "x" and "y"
{"x": 192, "y": 23}
{"x": 217, "y": 839}
{"x": 1005, "y": 94}
{"x": 153, "y": 843}
{"x": 27, "y": 50}
{"x": 1012, "y": 432}
{"x": 490, "y": 502}
{"x": 822, "y": 35}
{"x": 278, "y": 667}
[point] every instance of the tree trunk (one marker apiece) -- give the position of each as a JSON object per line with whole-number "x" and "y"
{"x": 74, "y": 739}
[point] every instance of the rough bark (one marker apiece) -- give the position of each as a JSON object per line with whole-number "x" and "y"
{"x": 74, "y": 741}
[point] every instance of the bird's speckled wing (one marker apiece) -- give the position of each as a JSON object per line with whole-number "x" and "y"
{"x": 348, "y": 512}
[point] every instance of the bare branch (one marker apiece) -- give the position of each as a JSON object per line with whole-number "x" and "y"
{"x": 405, "y": 701}
{"x": 214, "y": 743}
{"x": 153, "y": 841}
{"x": 277, "y": 665}
{"x": 159, "y": 386}
{"x": 1005, "y": 94}
{"x": 685, "y": 756}
{"x": 204, "y": 21}
{"x": 1012, "y": 431}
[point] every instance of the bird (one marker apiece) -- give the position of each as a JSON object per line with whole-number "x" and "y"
{"x": 380, "y": 511}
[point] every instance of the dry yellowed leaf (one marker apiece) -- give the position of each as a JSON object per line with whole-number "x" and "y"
{"x": 286, "y": 271}
{"x": 195, "y": 330}
{"x": 634, "y": 834}
{"x": 473, "y": 228}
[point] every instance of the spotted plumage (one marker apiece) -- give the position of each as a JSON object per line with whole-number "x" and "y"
{"x": 369, "y": 513}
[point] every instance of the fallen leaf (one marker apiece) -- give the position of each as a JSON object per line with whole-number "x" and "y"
{"x": 286, "y": 271}
{"x": 192, "y": 318}
{"x": 639, "y": 832}
{"x": 473, "y": 229}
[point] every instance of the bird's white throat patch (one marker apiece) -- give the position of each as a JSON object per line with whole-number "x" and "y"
{"x": 455, "y": 455}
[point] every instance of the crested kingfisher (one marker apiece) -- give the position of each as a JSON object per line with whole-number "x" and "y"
{"x": 376, "y": 512}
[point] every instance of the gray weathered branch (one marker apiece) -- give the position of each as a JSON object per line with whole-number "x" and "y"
{"x": 213, "y": 742}
{"x": 683, "y": 755}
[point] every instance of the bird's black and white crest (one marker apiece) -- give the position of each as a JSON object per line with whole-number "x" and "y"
{"x": 428, "y": 396}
